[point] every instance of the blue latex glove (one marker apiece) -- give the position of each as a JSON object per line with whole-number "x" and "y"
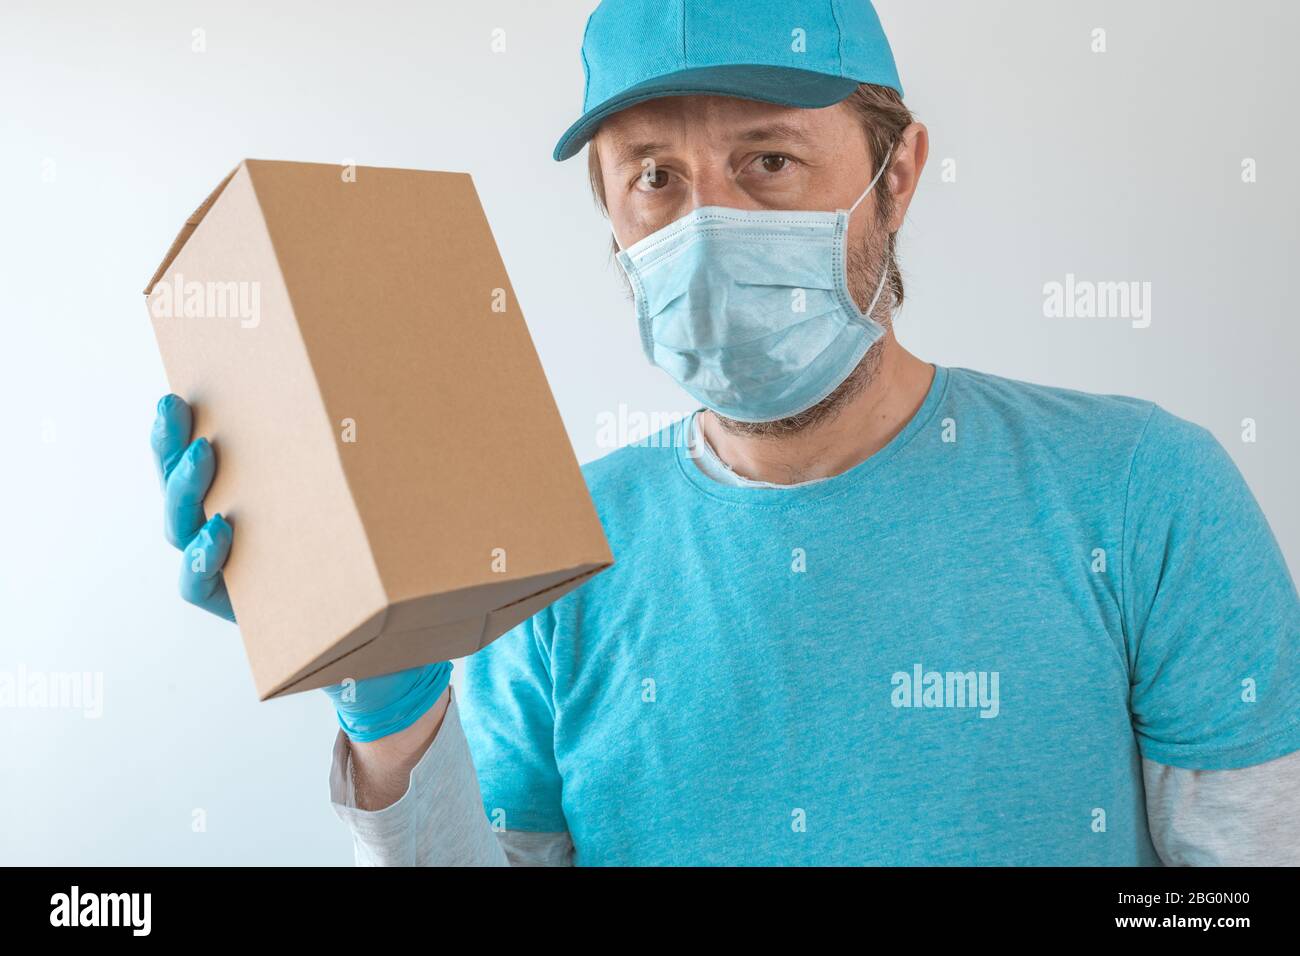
{"x": 367, "y": 709}
{"x": 186, "y": 469}
{"x": 378, "y": 706}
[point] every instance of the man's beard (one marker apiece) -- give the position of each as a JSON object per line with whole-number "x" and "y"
{"x": 865, "y": 264}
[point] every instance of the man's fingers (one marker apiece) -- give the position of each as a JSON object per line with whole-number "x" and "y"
{"x": 186, "y": 470}
{"x": 170, "y": 434}
{"x": 201, "y": 580}
{"x": 187, "y": 483}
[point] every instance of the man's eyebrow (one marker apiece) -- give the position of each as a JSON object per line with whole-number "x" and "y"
{"x": 773, "y": 132}
{"x": 631, "y": 151}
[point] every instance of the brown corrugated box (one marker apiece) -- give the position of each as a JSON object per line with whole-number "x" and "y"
{"x": 389, "y": 454}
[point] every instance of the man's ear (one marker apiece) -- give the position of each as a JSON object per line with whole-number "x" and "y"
{"x": 905, "y": 168}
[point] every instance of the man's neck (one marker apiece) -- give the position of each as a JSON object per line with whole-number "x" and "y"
{"x": 863, "y": 426}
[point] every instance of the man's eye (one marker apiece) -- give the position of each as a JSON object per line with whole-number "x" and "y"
{"x": 653, "y": 178}
{"x": 773, "y": 162}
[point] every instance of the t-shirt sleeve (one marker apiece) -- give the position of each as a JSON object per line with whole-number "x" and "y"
{"x": 1211, "y": 615}
{"x": 508, "y": 713}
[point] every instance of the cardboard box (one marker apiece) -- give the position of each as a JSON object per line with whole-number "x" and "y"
{"x": 389, "y": 454}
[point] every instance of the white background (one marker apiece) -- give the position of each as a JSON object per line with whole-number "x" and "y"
{"x": 1122, "y": 166}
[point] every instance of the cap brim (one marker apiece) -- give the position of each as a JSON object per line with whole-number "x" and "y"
{"x": 782, "y": 85}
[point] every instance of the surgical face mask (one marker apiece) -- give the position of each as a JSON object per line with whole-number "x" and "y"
{"x": 750, "y": 310}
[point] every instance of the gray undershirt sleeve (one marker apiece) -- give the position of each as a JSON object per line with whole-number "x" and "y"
{"x": 439, "y": 821}
{"x": 1244, "y": 817}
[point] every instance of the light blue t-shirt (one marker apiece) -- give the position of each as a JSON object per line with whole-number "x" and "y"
{"x": 956, "y": 652}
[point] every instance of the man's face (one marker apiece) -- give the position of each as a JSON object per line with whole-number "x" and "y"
{"x": 663, "y": 158}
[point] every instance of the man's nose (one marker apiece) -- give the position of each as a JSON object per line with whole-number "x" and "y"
{"x": 711, "y": 186}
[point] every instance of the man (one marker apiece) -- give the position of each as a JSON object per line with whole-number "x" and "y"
{"x": 865, "y": 610}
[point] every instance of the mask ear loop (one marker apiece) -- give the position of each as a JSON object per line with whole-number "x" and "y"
{"x": 884, "y": 164}
{"x": 884, "y": 272}
{"x": 880, "y": 288}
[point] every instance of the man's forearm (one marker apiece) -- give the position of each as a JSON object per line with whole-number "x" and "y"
{"x": 427, "y": 809}
{"x": 381, "y": 769}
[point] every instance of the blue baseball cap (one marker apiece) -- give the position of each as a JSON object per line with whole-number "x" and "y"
{"x": 806, "y": 53}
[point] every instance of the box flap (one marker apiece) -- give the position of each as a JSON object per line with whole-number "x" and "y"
{"x": 187, "y": 230}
